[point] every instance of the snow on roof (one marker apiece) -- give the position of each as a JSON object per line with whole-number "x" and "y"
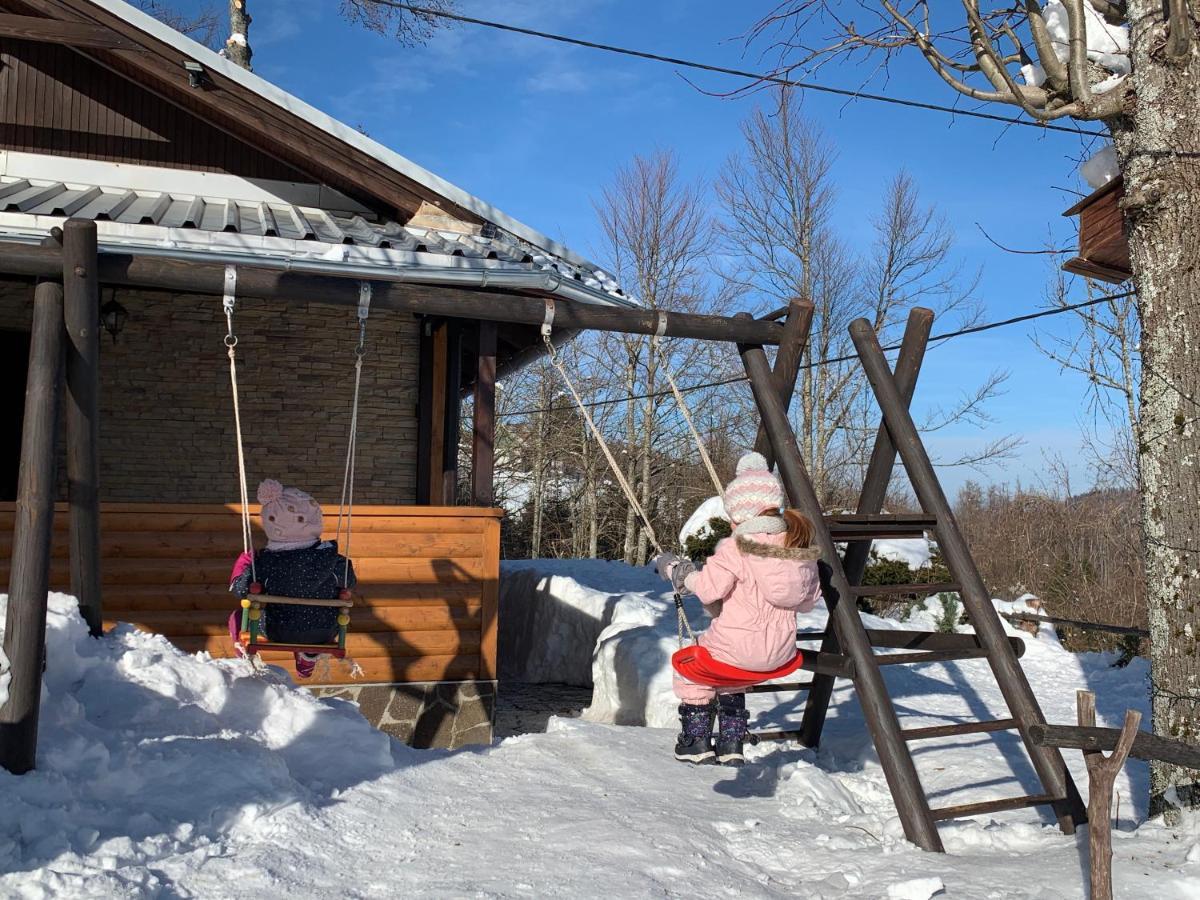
{"x": 344, "y": 133}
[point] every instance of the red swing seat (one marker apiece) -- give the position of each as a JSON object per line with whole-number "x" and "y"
{"x": 698, "y": 666}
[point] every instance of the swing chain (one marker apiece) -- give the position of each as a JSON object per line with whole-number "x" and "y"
{"x": 364, "y": 309}
{"x": 227, "y": 303}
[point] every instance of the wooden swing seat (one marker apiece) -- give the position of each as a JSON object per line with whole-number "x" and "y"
{"x": 697, "y": 665}
{"x": 327, "y": 649}
{"x": 254, "y": 646}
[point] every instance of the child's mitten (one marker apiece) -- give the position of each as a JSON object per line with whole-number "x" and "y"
{"x": 678, "y": 574}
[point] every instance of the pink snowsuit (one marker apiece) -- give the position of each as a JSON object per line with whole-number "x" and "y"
{"x": 761, "y": 584}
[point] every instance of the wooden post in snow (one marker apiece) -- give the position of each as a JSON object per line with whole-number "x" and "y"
{"x": 29, "y": 576}
{"x": 81, "y": 290}
{"x": 1102, "y": 775}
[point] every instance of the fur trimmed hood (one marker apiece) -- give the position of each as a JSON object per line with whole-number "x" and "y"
{"x": 768, "y": 551}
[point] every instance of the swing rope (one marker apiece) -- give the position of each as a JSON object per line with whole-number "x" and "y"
{"x": 656, "y": 346}
{"x": 626, "y": 488}
{"x": 227, "y": 303}
{"x": 346, "y": 503}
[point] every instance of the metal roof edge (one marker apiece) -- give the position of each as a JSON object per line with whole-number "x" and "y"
{"x": 297, "y": 107}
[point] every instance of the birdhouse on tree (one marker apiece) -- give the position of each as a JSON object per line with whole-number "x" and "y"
{"x": 1103, "y": 248}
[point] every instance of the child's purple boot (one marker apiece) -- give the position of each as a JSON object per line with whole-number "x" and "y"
{"x": 695, "y": 741}
{"x": 732, "y": 730}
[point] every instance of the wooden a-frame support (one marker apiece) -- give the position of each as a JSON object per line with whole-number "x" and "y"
{"x": 846, "y": 645}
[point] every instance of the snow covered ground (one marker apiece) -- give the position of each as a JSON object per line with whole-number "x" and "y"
{"x": 167, "y": 775}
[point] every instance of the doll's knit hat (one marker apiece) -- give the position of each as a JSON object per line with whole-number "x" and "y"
{"x": 755, "y": 490}
{"x": 289, "y": 516}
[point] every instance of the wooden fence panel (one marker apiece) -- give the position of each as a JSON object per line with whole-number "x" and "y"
{"x": 425, "y": 608}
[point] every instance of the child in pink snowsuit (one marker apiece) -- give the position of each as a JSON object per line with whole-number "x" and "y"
{"x": 753, "y": 585}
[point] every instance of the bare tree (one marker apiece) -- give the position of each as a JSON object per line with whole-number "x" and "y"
{"x": 237, "y": 45}
{"x": 381, "y": 16}
{"x": 1104, "y": 349}
{"x": 1049, "y": 59}
{"x": 387, "y": 18}
{"x": 656, "y": 233}
{"x": 202, "y": 25}
{"x": 779, "y": 199}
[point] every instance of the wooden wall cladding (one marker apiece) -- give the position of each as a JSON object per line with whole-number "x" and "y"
{"x": 425, "y": 606}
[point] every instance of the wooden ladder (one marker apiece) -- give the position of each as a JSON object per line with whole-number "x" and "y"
{"x": 846, "y": 648}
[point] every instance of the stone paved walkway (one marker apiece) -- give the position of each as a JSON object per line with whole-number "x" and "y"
{"x": 526, "y": 708}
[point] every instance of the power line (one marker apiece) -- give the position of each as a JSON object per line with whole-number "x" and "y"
{"x": 739, "y": 73}
{"x": 738, "y": 379}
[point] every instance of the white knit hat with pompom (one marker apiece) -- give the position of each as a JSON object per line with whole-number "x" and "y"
{"x": 754, "y": 491}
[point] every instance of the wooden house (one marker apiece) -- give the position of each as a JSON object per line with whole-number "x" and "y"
{"x": 1103, "y": 245}
{"x": 188, "y": 164}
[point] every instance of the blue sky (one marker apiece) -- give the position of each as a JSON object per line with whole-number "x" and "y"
{"x": 537, "y": 129}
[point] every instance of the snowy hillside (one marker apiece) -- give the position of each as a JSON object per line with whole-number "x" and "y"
{"x": 167, "y": 775}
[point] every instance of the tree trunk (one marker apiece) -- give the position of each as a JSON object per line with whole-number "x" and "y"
{"x": 649, "y": 422}
{"x": 631, "y": 524}
{"x": 539, "y": 475}
{"x": 1159, "y": 147}
{"x": 237, "y": 47}
{"x": 592, "y": 505}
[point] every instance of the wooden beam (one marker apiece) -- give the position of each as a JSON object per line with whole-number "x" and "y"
{"x": 1047, "y": 762}
{"x": 787, "y": 364}
{"x": 57, "y": 31}
{"x": 1145, "y": 745}
{"x": 870, "y": 502}
{"x": 82, "y": 315}
{"x": 452, "y": 432}
{"x": 392, "y": 291}
{"x": 29, "y": 576}
{"x": 878, "y": 711}
{"x": 483, "y": 438}
{"x": 437, "y": 412}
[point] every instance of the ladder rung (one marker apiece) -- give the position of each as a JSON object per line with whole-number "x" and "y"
{"x": 771, "y": 688}
{"x": 875, "y": 590}
{"x": 930, "y": 656}
{"x": 990, "y": 806}
{"x": 937, "y": 731}
{"x": 777, "y": 736}
{"x": 918, "y": 640}
{"x": 923, "y": 519}
{"x": 828, "y": 664}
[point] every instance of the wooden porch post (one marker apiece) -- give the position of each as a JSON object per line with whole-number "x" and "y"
{"x": 437, "y": 413}
{"x": 452, "y": 431}
{"x": 82, "y": 315}
{"x": 29, "y": 576}
{"x": 483, "y": 443}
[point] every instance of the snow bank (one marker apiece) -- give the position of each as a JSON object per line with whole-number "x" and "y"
{"x": 697, "y": 523}
{"x": 144, "y": 750}
{"x": 553, "y": 613}
{"x": 167, "y": 775}
{"x": 913, "y": 552}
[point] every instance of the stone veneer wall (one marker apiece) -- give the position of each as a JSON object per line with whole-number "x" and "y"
{"x": 446, "y": 714}
{"x": 166, "y": 417}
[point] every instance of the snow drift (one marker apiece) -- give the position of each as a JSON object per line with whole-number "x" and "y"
{"x": 167, "y": 775}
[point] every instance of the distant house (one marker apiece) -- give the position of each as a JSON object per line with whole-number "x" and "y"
{"x": 109, "y": 115}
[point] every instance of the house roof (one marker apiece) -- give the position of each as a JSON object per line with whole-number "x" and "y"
{"x": 262, "y": 113}
{"x": 185, "y": 224}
